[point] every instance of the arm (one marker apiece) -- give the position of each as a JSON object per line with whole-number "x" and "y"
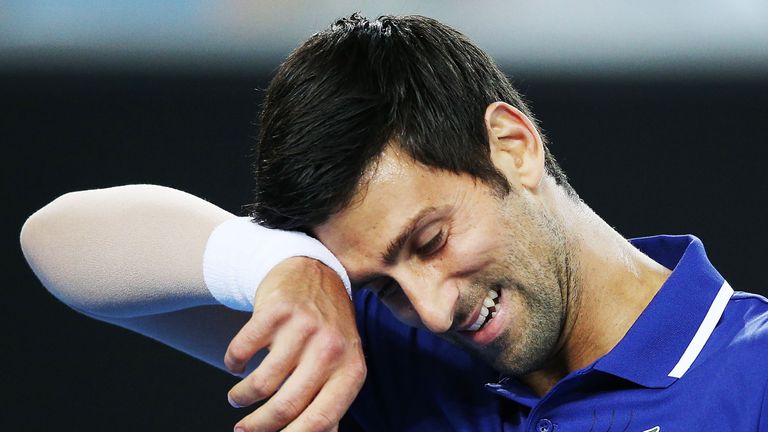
{"x": 133, "y": 256}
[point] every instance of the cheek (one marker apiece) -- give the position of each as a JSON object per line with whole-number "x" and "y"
{"x": 479, "y": 233}
{"x": 467, "y": 254}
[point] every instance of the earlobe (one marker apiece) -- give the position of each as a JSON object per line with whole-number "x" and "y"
{"x": 516, "y": 146}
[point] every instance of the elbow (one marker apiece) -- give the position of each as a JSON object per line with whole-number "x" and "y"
{"x": 46, "y": 243}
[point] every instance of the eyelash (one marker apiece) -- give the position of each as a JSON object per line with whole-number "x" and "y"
{"x": 432, "y": 246}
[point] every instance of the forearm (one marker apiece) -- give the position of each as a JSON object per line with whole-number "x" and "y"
{"x": 135, "y": 256}
{"x": 123, "y": 252}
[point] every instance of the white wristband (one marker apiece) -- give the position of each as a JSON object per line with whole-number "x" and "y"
{"x": 240, "y": 253}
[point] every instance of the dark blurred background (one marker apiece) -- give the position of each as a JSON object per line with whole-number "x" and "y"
{"x": 656, "y": 112}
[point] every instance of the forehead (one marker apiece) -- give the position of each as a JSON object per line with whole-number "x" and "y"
{"x": 396, "y": 189}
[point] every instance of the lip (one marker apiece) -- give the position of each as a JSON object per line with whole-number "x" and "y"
{"x": 491, "y": 330}
{"x": 471, "y": 320}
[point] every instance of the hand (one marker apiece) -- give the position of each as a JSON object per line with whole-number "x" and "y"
{"x": 303, "y": 314}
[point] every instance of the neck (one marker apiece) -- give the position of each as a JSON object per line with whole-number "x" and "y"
{"x": 610, "y": 284}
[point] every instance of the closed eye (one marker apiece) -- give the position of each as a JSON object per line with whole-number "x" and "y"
{"x": 432, "y": 246}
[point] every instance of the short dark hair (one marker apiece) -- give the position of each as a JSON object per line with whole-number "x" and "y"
{"x": 346, "y": 93}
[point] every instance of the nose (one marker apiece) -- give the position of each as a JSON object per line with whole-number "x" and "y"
{"x": 433, "y": 299}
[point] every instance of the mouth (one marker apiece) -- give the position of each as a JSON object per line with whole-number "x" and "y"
{"x": 487, "y": 311}
{"x": 488, "y": 322}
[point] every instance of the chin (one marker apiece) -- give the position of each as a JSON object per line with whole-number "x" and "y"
{"x": 517, "y": 358}
{"x": 515, "y": 366}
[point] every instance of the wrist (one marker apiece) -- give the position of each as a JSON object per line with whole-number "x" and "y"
{"x": 239, "y": 255}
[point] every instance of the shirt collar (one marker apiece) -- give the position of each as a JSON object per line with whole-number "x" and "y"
{"x": 661, "y": 339}
{"x": 657, "y": 341}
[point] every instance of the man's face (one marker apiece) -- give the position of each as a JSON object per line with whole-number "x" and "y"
{"x": 437, "y": 246}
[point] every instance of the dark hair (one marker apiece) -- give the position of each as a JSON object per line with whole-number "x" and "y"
{"x": 346, "y": 93}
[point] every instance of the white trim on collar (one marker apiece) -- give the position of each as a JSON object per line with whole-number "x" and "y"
{"x": 704, "y": 332}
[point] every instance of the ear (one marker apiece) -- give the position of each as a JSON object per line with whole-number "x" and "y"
{"x": 516, "y": 146}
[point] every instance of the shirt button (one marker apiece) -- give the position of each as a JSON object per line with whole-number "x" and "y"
{"x": 544, "y": 425}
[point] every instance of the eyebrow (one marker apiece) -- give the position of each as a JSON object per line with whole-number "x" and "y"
{"x": 396, "y": 245}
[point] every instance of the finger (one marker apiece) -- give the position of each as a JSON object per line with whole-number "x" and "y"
{"x": 255, "y": 335}
{"x": 282, "y": 359}
{"x": 326, "y": 410}
{"x": 297, "y": 391}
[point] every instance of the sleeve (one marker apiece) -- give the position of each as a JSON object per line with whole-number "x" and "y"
{"x": 132, "y": 256}
{"x": 123, "y": 252}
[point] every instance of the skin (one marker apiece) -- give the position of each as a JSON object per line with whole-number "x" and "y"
{"x": 315, "y": 366}
{"x": 133, "y": 256}
{"x": 570, "y": 285}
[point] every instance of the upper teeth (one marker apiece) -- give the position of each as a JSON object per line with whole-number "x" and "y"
{"x": 488, "y": 302}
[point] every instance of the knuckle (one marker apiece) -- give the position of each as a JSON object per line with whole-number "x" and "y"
{"x": 236, "y": 355}
{"x": 285, "y": 410}
{"x": 331, "y": 346}
{"x": 357, "y": 371}
{"x": 303, "y": 318}
{"x": 249, "y": 339}
{"x": 320, "y": 422}
{"x": 305, "y": 325}
{"x": 282, "y": 308}
{"x": 258, "y": 385}
{"x": 273, "y": 307}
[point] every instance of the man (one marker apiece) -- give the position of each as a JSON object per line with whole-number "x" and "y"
{"x": 403, "y": 149}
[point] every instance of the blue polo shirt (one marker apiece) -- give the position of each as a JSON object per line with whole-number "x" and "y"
{"x": 695, "y": 360}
